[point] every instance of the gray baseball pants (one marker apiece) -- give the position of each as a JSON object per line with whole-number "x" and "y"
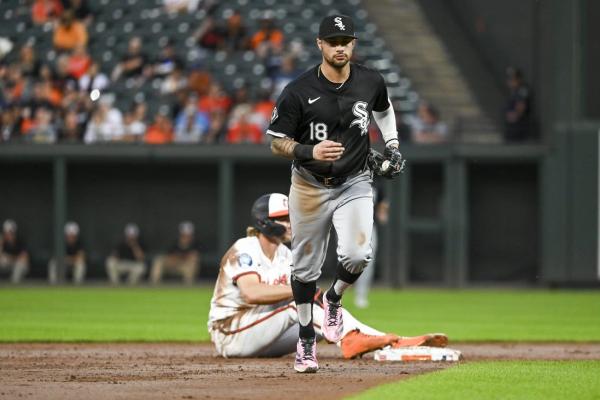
{"x": 314, "y": 208}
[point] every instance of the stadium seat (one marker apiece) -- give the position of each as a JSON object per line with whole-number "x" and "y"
{"x": 116, "y": 21}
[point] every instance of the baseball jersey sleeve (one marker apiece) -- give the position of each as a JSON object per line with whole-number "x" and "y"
{"x": 242, "y": 264}
{"x": 286, "y": 116}
{"x": 382, "y": 102}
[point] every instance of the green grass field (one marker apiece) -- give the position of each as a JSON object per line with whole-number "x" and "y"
{"x": 180, "y": 314}
{"x": 506, "y": 380}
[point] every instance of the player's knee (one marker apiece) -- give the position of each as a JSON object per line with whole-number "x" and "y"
{"x": 356, "y": 260}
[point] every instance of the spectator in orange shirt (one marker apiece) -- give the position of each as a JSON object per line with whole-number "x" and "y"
{"x": 69, "y": 33}
{"x": 161, "y": 131}
{"x": 268, "y": 39}
{"x": 215, "y": 100}
{"x": 43, "y": 11}
{"x": 264, "y": 110}
{"x": 244, "y": 130}
{"x": 199, "y": 81}
{"x": 79, "y": 62}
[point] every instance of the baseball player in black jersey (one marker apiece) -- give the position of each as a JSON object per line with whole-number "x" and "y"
{"x": 321, "y": 121}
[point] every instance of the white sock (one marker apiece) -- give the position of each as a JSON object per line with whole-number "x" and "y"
{"x": 304, "y": 313}
{"x": 340, "y": 286}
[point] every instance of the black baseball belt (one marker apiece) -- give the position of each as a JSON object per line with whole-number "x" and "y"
{"x": 329, "y": 181}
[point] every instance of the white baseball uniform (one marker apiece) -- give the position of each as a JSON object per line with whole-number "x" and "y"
{"x": 240, "y": 329}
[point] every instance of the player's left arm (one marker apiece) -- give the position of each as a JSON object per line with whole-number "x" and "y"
{"x": 253, "y": 291}
{"x": 384, "y": 115}
{"x": 386, "y": 121}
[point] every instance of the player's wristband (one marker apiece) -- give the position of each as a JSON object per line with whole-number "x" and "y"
{"x": 303, "y": 152}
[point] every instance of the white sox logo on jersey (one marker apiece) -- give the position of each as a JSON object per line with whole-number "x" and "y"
{"x": 339, "y": 24}
{"x": 362, "y": 117}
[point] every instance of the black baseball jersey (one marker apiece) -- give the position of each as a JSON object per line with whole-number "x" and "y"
{"x": 180, "y": 250}
{"x": 14, "y": 249}
{"x": 312, "y": 109}
{"x": 71, "y": 249}
{"x": 125, "y": 251}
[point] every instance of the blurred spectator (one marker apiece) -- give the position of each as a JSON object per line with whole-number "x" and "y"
{"x": 132, "y": 64}
{"x": 268, "y": 38}
{"x": 191, "y": 124}
{"x": 13, "y": 253}
{"x": 199, "y": 81}
{"x": 40, "y": 97}
{"x": 263, "y": 110}
{"x": 74, "y": 256}
{"x": 161, "y": 131}
{"x": 80, "y": 10}
{"x": 218, "y": 123}
{"x": 15, "y": 84}
{"x": 93, "y": 79}
{"x": 174, "y": 82}
{"x": 9, "y": 124}
{"x": 267, "y": 43}
{"x": 240, "y": 99}
{"x": 243, "y": 129}
{"x": 215, "y": 100}
{"x": 42, "y": 129}
{"x": 79, "y": 62}
{"x": 244, "y": 125}
{"x": 181, "y": 6}
{"x": 61, "y": 78}
{"x": 167, "y": 61}
{"x": 285, "y": 75}
{"x": 127, "y": 258}
{"x": 106, "y": 124}
{"x": 69, "y": 33}
{"x": 235, "y": 35}
{"x": 28, "y": 62}
{"x": 70, "y": 96}
{"x": 517, "y": 113}
{"x": 183, "y": 258}
{"x": 135, "y": 125}
{"x": 70, "y": 131}
{"x": 210, "y": 35}
{"x": 43, "y": 11}
{"x": 426, "y": 126}
{"x": 46, "y": 72}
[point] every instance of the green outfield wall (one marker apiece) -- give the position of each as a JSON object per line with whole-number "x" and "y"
{"x": 460, "y": 215}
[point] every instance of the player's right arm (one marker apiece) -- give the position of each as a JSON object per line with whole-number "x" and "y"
{"x": 326, "y": 150}
{"x": 285, "y": 122}
{"x": 253, "y": 291}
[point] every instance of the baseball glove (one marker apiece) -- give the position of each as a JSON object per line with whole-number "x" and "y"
{"x": 389, "y": 165}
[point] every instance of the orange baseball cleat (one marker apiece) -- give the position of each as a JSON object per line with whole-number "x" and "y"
{"x": 430, "y": 340}
{"x": 355, "y": 343}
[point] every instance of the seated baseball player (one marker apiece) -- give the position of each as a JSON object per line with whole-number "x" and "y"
{"x": 252, "y": 312}
{"x": 183, "y": 258}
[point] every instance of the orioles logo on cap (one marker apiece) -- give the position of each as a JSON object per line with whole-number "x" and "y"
{"x": 339, "y": 24}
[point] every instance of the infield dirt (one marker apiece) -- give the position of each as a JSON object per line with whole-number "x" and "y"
{"x": 191, "y": 371}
